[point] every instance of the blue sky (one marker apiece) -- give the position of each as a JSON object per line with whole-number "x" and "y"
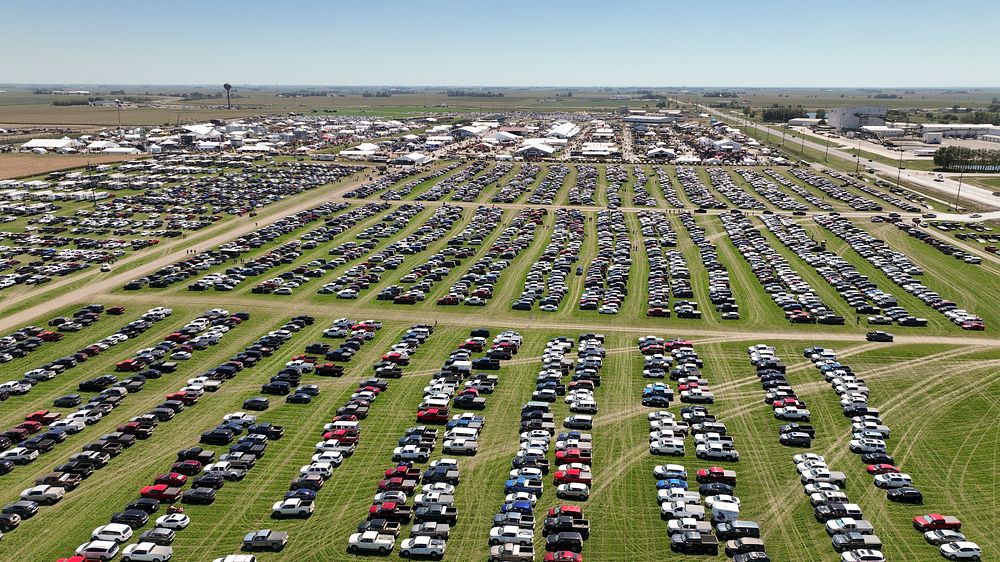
{"x": 507, "y": 43}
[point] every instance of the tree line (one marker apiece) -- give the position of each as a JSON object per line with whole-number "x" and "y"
{"x": 960, "y": 158}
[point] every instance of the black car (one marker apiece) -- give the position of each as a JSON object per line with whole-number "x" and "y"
{"x": 148, "y": 505}
{"x": 6, "y": 466}
{"x": 906, "y": 494}
{"x": 879, "y": 336}
{"x": 9, "y": 522}
{"x": 26, "y": 509}
{"x": 272, "y": 431}
{"x": 693, "y": 542}
{"x": 256, "y": 404}
{"x": 204, "y": 456}
{"x": 212, "y": 480}
{"x": 68, "y": 401}
{"x": 877, "y": 458}
{"x": 570, "y": 541}
{"x": 134, "y": 518}
{"x": 298, "y": 398}
{"x": 713, "y": 488}
{"x": 379, "y": 525}
{"x": 280, "y": 388}
{"x": 311, "y": 482}
{"x": 795, "y": 439}
{"x": 218, "y": 436}
{"x": 199, "y": 495}
{"x": 737, "y": 530}
{"x": 159, "y": 535}
{"x": 798, "y": 427}
{"x": 303, "y": 494}
{"x": 76, "y": 467}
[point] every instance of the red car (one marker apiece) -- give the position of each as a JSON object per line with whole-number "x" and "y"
{"x": 343, "y": 435}
{"x": 655, "y": 311}
{"x": 73, "y": 559}
{"x": 116, "y": 310}
{"x": 50, "y": 336}
{"x": 161, "y": 492}
{"x": 574, "y": 511}
{"x": 345, "y": 417}
{"x": 881, "y": 469}
{"x": 563, "y": 556}
{"x": 572, "y": 475}
{"x": 403, "y": 471}
{"x": 573, "y": 455}
{"x": 187, "y": 468}
{"x": 128, "y": 365}
{"x": 397, "y": 483}
{"x": 29, "y": 426}
{"x": 786, "y": 402}
{"x": 433, "y": 415}
{"x": 171, "y": 479}
{"x": 189, "y": 399}
{"x": 716, "y": 474}
{"x": 936, "y": 521}
{"x": 43, "y": 416}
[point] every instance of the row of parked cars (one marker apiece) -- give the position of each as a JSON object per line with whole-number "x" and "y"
{"x": 859, "y": 291}
{"x": 475, "y": 287}
{"x": 850, "y": 533}
{"x": 447, "y": 186}
{"x": 898, "y": 267}
{"x": 769, "y": 191}
{"x": 667, "y": 188}
{"x": 780, "y": 395}
{"x": 668, "y": 270}
{"x": 831, "y": 189}
{"x": 22, "y": 342}
{"x": 725, "y": 185}
{"x": 200, "y": 466}
{"x": 201, "y": 261}
{"x": 18, "y": 446}
{"x": 870, "y": 190}
{"x": 696, "y": 190}
{"x": 641, "y": 197}
{"x": 719, "y": 288}
{"x": 517, "y": 186}
{"x": 605, "y": 283}
{"x": 943, "y": 246}
{"x": 390, "y": 178}
{"x": 285, "y": 282}
{"x": 546, "y": 190}
{"x": 584, "y": 188}
{"x": 799, "y": 190}
{"x": 783, "y": 284}
{"x": 545, "y": 282}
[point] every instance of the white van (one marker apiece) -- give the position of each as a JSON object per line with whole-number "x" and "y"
{"x": 462, "y": 432}
{"x": 114, "y": 532}
{"x": 725, "y": 512}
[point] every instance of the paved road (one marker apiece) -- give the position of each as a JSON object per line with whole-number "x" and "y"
{"x": 949, "y": 187}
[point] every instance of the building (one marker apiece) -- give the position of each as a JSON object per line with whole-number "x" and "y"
{"x": 804, "y": 122}
{"x": 883, "y": 131}
{"x": 855, "y": 117}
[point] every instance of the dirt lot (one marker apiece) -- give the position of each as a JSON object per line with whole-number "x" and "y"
{"x": 25, "y": 165}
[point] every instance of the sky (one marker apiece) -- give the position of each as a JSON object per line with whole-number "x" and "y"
{"x": 782, "y": 43}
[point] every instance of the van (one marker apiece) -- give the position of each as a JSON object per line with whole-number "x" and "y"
{"x": 350, "y": 425}
{"x": 462, "y": 433}
{"x": 725, "y": 512}
{"x": 237, "y": 558}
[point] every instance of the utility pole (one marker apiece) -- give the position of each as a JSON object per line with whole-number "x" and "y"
{"x": 958, "y": 197}
{"x": 118, "y": 104}
{"x": 899, "y": 172}
{"x": 857, "y": 165}
{"x": 827, "y": 154}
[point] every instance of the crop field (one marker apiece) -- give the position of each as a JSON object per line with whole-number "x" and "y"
{"x": 936, "y": 386}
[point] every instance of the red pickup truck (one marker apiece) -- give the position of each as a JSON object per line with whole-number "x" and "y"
{"x": 44, "y": 417}
{"x": 161, "y": 492}
{"x": 936, "y": 521}
{"x": 391, "y": 511}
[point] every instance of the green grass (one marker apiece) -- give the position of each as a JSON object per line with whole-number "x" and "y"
{"x": 622, "y": 465}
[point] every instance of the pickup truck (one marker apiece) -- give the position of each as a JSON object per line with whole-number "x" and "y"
{"x": 511, "y": 553}
{"x": 936, "y": 521}
{"x": 382, "y": 526}
{"x": 405, "y": 485}
{"x": 161, "y": 492}
{"x": 694, "y": 542}
{"x": 566, "y": 523}
{"x": 65, "y": 480}
{"x": 391, "y": 511}
{"x": 431, "y": 529}
{"x": 43, "y": 494}
{"x": 265, "y": 539}
{"x": 442, "y": 474}
{"x": 679, "y": 510}
{"x": 371, "y": 541}
{"x": 437, "y": 514}
{"x": 854, "y": 540}
{"x": 293, "y": 507}
{"x": 716, "y": 474}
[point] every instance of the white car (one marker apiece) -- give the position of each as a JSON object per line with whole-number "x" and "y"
{"x": 422, "y": 547}
{"x": 322, "y": 469}
{"x": 433, "y": 498}
{"x": 792, "y": 413}
{"x": 862, "y": 555}
{"x": 511, "y": 534}
{"x": 293, "y": 507}
{"x": 716, "y": 451}
{"x": 678, "y": 495}
{"x": 803, "y": 457}
{"x": 460, "y": 446}
{"x": 660, "y": 415}
{"x": 893, "y": 480}
{"x": 411, "y": 453}
{"x": 175, "y": 521}
{"x": 330, "y": 457}
{"x": 721, "y": 498}
{"x": 147, "y": 552}
{"x": 116, "y": 532}
{"x": 19, "y": 455}
{"x": 664, "y": 471}
{"x": 688, "y": 524}
{"x": 440, "y": 487}
{"x": 43, "y": 494}
{"x": 961, "y": 550}
{"x": 671, "y": 446}
{"x": 573, "y": 491}
{"x": 527, "y": 472}
{"x": 390, "y": 496}
{"x": 522, "y": 497}
{"x": 681, "y": 510}
{"x": 371, "y": 541}
{"x": 69, "y": 426}
{"x": 98, "y": 550}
